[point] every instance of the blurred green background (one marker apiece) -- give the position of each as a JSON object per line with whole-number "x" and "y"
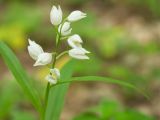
{"x": 124, "y": 40}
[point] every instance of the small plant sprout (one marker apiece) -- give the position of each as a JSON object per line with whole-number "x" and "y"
{"x": 63, "y": 29}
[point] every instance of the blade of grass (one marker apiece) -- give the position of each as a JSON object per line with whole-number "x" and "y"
{"x": 57, "y": 93}
{"x": 20, "y": 75}
{"x": 103, "y": 79}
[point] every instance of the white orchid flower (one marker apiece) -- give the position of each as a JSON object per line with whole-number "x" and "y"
{"x": 54, "y": 76}
{"x": 75, "y": 41}
{"x": 78, "y": 53}
{"x": 76, "y": 15}
{"x": 43, "y": 59}
{"x": 34, "y": 49}
{"x": 36, "y": 52}
{"x": 56, "y": 15}
{"x": 55, "y": 72}
{"x": 65, "y": 29}
{"x": 50, "y": 79}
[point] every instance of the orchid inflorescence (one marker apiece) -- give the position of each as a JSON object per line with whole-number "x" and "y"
{"x": 63, "y": 29}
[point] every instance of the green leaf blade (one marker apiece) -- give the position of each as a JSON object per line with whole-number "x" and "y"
{"x": 20, "y": 75}
{"x": 58, "y": 92}
{"x": 104, "y": 79}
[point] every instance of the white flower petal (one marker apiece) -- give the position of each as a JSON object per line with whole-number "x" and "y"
{"x": 54, "y": 76}
{"x": 76, "y": 15}
{"x": 67, "y": 32}
{"x": 34, "y": 49}
{"x": 78, "y": 54}
{"x": 50, "y": 79}
{"x": 55, "y": 72}
{"x": 56, "y": 15}
{"x": 43, "y": 59}
{"x": 75, "y": 41}
{"x": 65, "y": 29}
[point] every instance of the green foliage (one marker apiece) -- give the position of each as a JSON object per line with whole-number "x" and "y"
{"x": 7, "y": 100}
{"x": 57, "y": 94}
{"x": 112, "y": 42}
{"x": 22, "y": 115}
{"x": 132, "y": 115}
{"x": 149, "y": 48}
{"x": 87, "y": 116}
{"x": 76, "y": 2}
{"x": 16, "y": 21}
{"x": 20, "y": 15}
{"x": 91, "y": 66}
{"x": 110, "y": 110}
{"x": 10, "y": 106}
{"x": 89, "y": 25}
{"x": 103, "y": 79}
{"x": 122, "y": 72}
{"x": 20, "y": 75}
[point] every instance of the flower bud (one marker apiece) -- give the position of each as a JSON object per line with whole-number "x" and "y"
{"x": 34, "y": 49}
{"x": 54, "y": 76}
{"x": 78, "y": 53}
{"x": 76, "y": 15}
{"x": 55, "y": 72}
{"x": 65, "y": 29}
{"x": 56, "y": 15}
{"x": 50, "y": 79}
{"x": 43, "y": 59}
{"x": 75, "y": 41}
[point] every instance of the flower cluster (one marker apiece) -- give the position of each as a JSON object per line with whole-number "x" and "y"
{"x": 63, "y": 28}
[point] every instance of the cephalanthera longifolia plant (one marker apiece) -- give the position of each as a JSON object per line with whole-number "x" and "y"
{"x": 58, "y": 80}
{"x": 63, "y": 31}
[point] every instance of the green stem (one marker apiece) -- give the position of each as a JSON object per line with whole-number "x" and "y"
{"x": 46, "y": 97}
{"x": 47, "y": 93}
{"x": 53, "y": 64}
{"x": 61, "y": 54}
{"x": 54, "y": 60}
{"x": 64, "y": 38}
{"x": 58, "y": 38}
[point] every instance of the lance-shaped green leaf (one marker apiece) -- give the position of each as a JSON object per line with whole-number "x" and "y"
{"x": 20, "y": 75}
{"x": 104, "y": 79}
{"x": 58, "y": 92}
